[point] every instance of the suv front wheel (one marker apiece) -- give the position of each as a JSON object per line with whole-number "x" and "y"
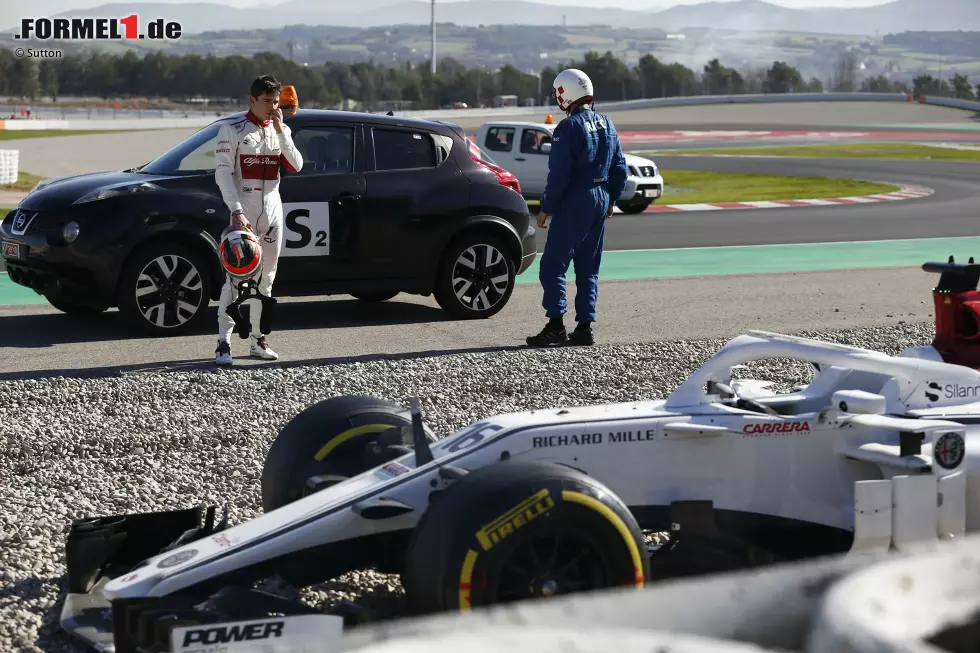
{"x": 165, "y": 289}
{"x": 476, "y": 277}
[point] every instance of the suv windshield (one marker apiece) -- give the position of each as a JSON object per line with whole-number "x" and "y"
{"x": 193, "y": 155}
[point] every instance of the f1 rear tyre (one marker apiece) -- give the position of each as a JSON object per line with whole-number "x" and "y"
{"x": 517, "y": 530}
{"x": 334, "y": 439}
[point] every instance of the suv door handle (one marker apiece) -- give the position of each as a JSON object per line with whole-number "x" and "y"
{"x": 520, "y": 158}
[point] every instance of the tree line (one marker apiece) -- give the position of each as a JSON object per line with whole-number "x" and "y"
{"x": 957, "y": 44}
{"x": 373, "y": 86}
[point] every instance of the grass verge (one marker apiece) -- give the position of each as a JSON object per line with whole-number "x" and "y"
{"x": 20, "y": 134}
{"x": 908, "y": 151}
{"x": 25, "y": 181}
{"x": 698, "y": 187}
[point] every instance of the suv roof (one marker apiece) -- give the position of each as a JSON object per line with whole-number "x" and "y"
{"x": 361, "y": 116}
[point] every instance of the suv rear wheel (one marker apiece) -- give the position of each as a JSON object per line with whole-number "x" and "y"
{"x": 476, "y": 277}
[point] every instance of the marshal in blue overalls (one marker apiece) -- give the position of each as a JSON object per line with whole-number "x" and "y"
{"x": 587, "y": 174}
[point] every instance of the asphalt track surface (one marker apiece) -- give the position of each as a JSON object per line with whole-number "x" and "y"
{"x": 951, "y": 211}
{"x": 39, "y": 341}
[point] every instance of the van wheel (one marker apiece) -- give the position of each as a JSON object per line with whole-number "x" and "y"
{"x": 165, "y": 289}
{"x": 633, "y": 209}
{"x": 476, "y": 277}
{"x": 517, "y": 530}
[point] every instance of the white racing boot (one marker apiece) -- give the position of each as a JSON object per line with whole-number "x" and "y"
{"x": 259, "y": 347}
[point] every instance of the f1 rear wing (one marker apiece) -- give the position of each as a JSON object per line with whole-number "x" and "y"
{"x": 955, "y": 277}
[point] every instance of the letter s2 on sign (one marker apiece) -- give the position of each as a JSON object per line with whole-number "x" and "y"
{"x": 307, "y": 229}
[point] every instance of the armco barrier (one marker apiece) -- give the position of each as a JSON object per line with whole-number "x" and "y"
{"x": 871, "y": 603}
{"x": 450, "y": 115}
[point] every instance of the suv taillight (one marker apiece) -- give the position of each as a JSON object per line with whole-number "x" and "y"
{"x": 504, "y": 178}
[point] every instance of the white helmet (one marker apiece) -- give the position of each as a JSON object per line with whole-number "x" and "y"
{"x": 571, "y": 86}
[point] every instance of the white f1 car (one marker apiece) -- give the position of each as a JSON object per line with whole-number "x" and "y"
{"x": 869, "y": 456}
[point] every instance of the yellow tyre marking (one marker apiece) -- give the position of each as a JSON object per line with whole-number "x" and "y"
{"x": 348, "y": 434}
{"x": 466, "y": 581}
{"x": 614, "y": 519}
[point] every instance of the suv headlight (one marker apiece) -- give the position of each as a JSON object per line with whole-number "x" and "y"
{"x": 114, "y": 191}
{"x": 70, "y": 232}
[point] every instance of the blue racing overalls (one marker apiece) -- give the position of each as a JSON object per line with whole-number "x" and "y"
{"x": 586, "y": 174}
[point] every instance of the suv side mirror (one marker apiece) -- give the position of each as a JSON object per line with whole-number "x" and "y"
{"x": 545, "y": 148}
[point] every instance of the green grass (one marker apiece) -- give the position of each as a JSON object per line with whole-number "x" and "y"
{"x": 4, "y": 212}
{"x": 697, "y": 187}
{"x": 25, "y": 181}
{"x": 846, "y": 151}
{"x": 17, "y": 134}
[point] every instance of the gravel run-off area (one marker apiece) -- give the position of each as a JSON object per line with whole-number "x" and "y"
{"x": 71, "y": 448}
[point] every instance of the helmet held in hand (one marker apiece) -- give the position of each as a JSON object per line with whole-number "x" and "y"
{"x": 241, "y": 254}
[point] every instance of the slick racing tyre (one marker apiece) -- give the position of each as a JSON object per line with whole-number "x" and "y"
{"x": 331, "y": 441}
{"x": 476, "y": 277}
{"x": 517, "y": 530}
{"x": 165, "y": 289}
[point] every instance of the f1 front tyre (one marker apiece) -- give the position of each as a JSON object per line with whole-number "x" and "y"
{"x": 331, "y": 441}
{"x": 517, "y": 530}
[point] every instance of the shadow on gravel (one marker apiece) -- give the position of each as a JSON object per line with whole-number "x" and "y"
{"x": 50, "y": 637}
{"x": 34, "y": 331}
{"x": 207, "y": 365}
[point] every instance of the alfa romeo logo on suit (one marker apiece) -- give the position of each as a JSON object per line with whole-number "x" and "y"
{"x": 20, "y": 220}
{"x": 949, "y": 450}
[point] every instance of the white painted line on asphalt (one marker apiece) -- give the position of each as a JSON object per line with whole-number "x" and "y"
{"x": 699, "y": 207}
{"x": 765, "y": 204}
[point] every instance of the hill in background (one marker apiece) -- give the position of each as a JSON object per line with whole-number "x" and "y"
{"x": 754, "y": 15}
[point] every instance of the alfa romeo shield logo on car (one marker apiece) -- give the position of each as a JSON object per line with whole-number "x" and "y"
{"x": 949, "y": 450}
